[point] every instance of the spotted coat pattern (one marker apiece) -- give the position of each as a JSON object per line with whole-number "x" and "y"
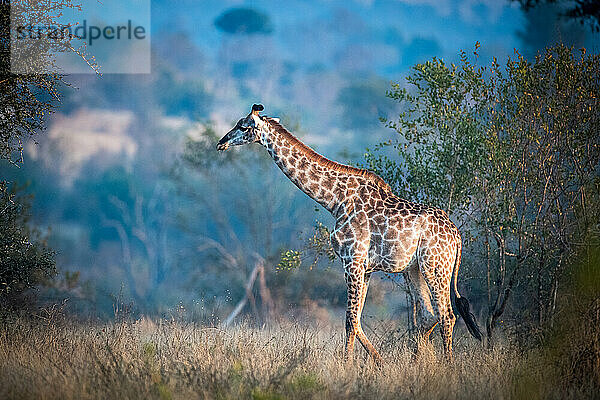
{"x": 374, "y": 229}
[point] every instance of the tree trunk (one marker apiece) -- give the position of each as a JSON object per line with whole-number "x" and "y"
{"x": 489, "y": 289}
{"x": 240, "y": 306}
{"x": 540, "y": 300}
{"x": 265, "y": 294}
{"x": 503, "y": 293}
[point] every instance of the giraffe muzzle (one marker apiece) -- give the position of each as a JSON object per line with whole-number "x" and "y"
{"x": 222, "y": 145}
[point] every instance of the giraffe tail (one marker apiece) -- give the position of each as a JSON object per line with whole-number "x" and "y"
{"x": 462, "y": 304}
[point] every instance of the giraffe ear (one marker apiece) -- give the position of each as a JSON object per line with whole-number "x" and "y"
{"x": 275, "y": 119}
{"x": 256, "y": 108}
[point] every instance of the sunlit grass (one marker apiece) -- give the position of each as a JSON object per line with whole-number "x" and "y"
{"x": 170, "y": 360}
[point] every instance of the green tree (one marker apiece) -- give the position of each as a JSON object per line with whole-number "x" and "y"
{"x": 544, "y": 153}
{"x": 511, "y": 152}
{"x": 441, "y": 137}
{"x": 27, "y": 98}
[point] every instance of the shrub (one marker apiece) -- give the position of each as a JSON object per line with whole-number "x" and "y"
{"x": 24, "y": 258}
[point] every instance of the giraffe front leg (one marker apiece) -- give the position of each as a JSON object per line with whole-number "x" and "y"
{"x": 361, "y": 335}
{"x": 363, "y": 295}
{"x": 357, "y": 282}
{"x": 352, "y": 307}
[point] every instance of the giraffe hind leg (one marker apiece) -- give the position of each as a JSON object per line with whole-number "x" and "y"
{"x": 437, "y": 275}
{"x": 426, "y": 315}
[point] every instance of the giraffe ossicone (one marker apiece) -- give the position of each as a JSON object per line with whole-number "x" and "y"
{"x": 374, "y": 230}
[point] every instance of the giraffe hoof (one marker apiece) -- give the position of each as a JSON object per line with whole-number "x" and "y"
{"x": 377, "y": 360}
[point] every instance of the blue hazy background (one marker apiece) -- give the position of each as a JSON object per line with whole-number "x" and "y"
{"x": 141, "y": 209}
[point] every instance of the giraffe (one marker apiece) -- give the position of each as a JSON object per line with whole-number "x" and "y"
{"x": 374, "y": 231}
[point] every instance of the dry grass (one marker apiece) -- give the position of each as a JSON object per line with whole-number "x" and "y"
{"x": 168, "y": 360}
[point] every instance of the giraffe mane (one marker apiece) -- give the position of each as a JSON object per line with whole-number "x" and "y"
{"x": 325, "y": 162}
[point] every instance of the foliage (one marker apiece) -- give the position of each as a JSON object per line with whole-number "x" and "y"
{"x": 198, "y": 152}
{"x": 442, "y": 134}
{"x": 24, "y": 258}
{"x": 244, "y": 21}
{"x": 511, "y": 152}
{"x": 314, "y": 249}
{"x": 574, "y": 345}
{"x": 27, "y": 99}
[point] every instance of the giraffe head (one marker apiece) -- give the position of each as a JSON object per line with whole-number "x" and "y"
{"x": 245, "y": 131}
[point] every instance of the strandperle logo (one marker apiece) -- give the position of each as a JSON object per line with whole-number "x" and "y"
{"x": 86, "y": 36}
{"x": 85, "y": 32}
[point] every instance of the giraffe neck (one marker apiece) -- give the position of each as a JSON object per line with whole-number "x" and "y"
{"x": 312, "y": 173}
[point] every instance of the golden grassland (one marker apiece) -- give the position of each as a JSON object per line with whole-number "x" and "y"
{"x": 158, "y": 359}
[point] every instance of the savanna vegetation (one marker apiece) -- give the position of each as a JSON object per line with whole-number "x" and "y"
{"x": 53, "y": 358}
{"x": 511, "y": 151}
{"x": 509, "y": 148}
